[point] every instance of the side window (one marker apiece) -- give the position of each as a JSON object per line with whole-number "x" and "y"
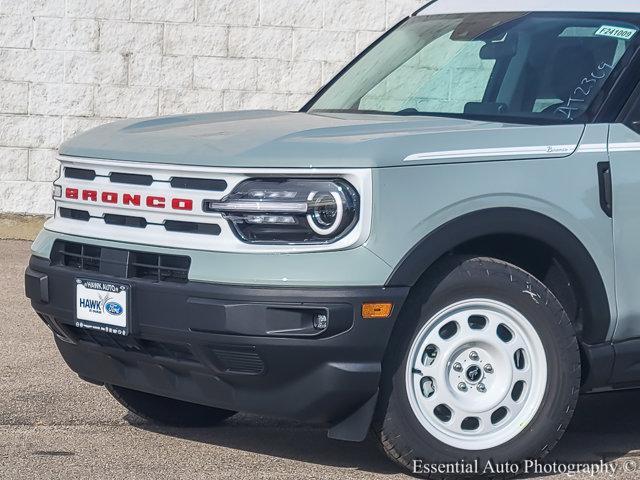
{"x": 443, "y": 77}
{"x": 631, "y": 112}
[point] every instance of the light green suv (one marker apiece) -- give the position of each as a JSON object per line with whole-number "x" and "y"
{"x": 441, "y": 246}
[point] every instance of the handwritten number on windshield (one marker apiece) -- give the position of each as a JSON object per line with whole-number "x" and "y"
{"x": 583, "y": 91}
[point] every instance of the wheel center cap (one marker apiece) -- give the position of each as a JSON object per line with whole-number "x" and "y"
{"x": 474, "y": 373}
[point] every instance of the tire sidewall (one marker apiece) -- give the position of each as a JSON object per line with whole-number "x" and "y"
{"x": 486, "y": 279}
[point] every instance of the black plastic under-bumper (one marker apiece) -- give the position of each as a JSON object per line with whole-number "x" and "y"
{"x": 248, "y": 349}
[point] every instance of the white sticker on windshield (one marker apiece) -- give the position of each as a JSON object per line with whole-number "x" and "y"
{"x": 616, "y": 32}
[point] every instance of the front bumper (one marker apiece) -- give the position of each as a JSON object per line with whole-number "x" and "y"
{"x": 248, "y": 349}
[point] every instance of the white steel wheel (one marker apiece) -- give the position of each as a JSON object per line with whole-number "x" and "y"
{"x": 476, "y": 374}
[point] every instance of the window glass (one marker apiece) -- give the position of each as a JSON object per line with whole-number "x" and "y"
{"x": 426, "y": 82}
{"x": 518, "y": 66}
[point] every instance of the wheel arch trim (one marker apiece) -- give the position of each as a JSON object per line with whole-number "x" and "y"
{"x": 520, "y": 222}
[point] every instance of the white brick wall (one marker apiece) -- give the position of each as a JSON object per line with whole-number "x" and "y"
{"x": 70, "y": 65}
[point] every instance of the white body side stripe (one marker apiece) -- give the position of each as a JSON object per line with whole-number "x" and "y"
{"x": 625, "y": 147}
{"x": 541, "y": 150}
{"x": 593, "y": 148}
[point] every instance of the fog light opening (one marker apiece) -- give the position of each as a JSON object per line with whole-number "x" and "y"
{"x": 320, "y": 321}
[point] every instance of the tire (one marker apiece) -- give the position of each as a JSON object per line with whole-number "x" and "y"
{"x": 460, "y": 291}
{"x": 166, "y": 411}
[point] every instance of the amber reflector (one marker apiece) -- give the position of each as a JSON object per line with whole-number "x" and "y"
{"x": 377, "y": 310}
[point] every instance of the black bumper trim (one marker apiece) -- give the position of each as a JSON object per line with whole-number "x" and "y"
{"x": 232, "y": 347}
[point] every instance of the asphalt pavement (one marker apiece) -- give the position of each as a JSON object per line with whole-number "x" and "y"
{"x": 54, "y": 426}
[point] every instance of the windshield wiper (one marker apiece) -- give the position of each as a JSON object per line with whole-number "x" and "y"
{"x": 408, "y": 112}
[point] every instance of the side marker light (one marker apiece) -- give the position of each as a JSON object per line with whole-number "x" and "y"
{"x": 376, "y": 310}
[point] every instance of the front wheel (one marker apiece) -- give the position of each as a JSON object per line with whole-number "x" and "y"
{"x": 484, "y": 369}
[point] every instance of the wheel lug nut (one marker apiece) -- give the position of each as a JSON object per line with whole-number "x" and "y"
{"x": 474, "y": 356}
{"x": 457, "y": 367}
{"x": 482, "y": 388}
{"x": 462, "y": 387}
{"x": 488, "y": 368}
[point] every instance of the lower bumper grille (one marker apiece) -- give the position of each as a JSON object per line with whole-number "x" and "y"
{"x": 121, "y": 263}
{"x": 237, "y": 360}
{"x": 234, "y": 360}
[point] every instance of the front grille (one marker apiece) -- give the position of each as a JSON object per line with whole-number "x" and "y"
{"x": 121, "y": 263}
{"x": 162, "y": 204}
{"x": 146, "y": 203}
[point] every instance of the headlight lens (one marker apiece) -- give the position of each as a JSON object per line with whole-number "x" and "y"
{"x": 290, "y": 211}
{"x": 326, "y": 212}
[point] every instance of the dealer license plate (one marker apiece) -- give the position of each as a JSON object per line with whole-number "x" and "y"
{"x": 102, "y": 306}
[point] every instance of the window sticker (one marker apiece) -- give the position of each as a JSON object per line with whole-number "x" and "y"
{"x": 616, "y": 32}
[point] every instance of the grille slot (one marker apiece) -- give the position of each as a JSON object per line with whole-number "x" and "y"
{"x": 191, "y": 227}
{"x": 78, "y": 256}
{"x": 80, "y": 173}
{"x": 73, "y": 214}
{"x": 131, "y": 178}
{"x": 128, "y": 264}
{"x": 199, "y": 184}
{"x": 125, "y": 221}
{"x": 159, "y": 268}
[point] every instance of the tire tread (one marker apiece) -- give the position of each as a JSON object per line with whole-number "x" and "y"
{"x": 465, "y": 268}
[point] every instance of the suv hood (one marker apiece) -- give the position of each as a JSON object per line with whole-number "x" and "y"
{"x": 266, "y": 139}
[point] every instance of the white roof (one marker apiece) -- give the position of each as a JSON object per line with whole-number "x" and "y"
{"x": 473, "y": 6}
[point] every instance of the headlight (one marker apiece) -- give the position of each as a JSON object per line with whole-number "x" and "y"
{"x": 291, "y": 211}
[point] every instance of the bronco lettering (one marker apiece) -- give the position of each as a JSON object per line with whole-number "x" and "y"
{"x": 129, "y": 199}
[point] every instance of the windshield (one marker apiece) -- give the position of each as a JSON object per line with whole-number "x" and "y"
{"x": 524, "y": 67}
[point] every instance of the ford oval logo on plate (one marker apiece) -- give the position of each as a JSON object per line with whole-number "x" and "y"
{"x": 114, "y": 308}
